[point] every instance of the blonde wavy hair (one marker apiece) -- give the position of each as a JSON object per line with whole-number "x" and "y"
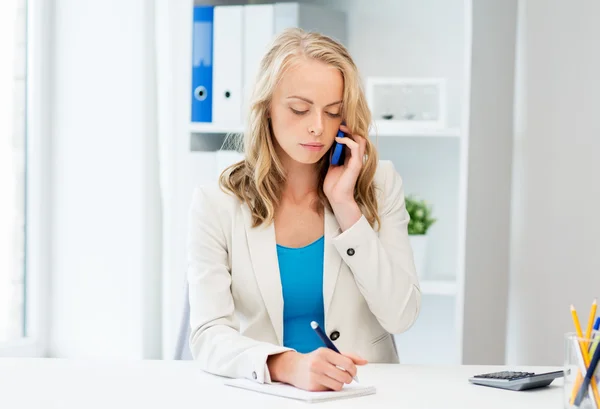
{"x": 258, "y": 180}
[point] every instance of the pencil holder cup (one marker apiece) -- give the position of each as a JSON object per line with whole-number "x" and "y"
{"x": 575, "y": 370}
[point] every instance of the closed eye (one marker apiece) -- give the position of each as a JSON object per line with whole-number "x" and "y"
{"x": 332, "y": 115}
{"x": 298, "y": 112}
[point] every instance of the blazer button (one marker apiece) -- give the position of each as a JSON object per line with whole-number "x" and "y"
{"x": 350, "y": 252}
{"x": 254, "y": 375}
{"x": 334, "y": 335}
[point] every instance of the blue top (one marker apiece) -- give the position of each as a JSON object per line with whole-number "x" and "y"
{"x": 301, "y": 271}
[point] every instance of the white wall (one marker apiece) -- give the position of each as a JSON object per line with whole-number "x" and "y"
{"x": 13, "y": 30}
{"x": 556, "y": 194}
{"x": 488, "y": 172}
{"x": 105, "y": 204}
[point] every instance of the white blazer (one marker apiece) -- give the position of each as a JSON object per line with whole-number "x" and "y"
{"x": 370, "y": 287}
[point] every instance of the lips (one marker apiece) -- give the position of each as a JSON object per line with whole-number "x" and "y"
{"x": 312, "y": 146}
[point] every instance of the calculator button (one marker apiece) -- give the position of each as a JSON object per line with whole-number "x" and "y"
{"x": 505, "y": 375}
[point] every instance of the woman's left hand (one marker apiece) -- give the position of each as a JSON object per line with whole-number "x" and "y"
{"x": 340, "y": 180}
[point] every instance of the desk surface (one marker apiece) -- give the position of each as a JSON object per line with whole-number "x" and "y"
{"x": 76, "y": 384}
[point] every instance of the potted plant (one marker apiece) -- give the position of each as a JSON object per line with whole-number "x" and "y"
{"x": 420, "y": 222}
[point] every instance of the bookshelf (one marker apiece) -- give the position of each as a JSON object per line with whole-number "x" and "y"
{"x": 379, "y": 129}
{"x": 210, "y": 128}
{"x": 397, "y": 38}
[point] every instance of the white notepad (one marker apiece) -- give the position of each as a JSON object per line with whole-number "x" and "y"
{"x": 287, "y": 391}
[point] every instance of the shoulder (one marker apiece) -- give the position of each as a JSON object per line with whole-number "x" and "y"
{"x": 214, "y": 201}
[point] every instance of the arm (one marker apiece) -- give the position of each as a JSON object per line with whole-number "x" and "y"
{"x": 383, "y": 266}
{"x": 215, "y": 340}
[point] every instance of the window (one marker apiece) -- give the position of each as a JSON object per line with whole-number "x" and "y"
{"x": 25, "y": 27}
{"x": 13, "y": 53}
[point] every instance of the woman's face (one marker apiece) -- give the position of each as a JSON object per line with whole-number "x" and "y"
{"x": 305, "y": 111}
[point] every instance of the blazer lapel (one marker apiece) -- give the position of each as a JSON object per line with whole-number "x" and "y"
{"x": 332, "y": 260}
{"x": 263, "y": 254}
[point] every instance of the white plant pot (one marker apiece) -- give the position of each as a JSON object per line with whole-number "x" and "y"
{"x": 418, "y": 243}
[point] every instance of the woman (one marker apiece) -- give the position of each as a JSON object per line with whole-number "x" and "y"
{"x": 287, "y": 238}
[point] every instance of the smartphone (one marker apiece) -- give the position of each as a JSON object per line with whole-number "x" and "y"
{"x": 337, "y": 158}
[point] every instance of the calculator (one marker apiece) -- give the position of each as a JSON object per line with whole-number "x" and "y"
{"x": 515, "y": 381}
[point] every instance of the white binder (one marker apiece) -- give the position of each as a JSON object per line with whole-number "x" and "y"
{"x": 228, "y": 65}
{"x": 242, "y": 35}
{"x": 259, "y": 30}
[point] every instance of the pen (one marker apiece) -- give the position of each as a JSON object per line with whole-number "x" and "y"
{"x": 595, "y": 337}
{"x": 326, "y": 340}
{"x": 588, "y": 377}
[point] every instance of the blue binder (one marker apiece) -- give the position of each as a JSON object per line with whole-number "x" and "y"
{"x": 202, "y": 64}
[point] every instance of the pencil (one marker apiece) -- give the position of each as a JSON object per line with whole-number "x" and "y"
{"x": 579, "y": 379}
{"x": 588, "y": 332}
{"x": 586, "y": 358}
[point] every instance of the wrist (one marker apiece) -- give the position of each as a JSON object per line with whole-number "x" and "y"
{"x": 346, "y": 213}
{"x": 347, "y": 200}
{"x": 281, "y": 366}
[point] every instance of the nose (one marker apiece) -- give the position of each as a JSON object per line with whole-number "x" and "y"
{"x": 316, "y": 126}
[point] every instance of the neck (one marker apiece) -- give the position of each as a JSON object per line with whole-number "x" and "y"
{"x": 302, "y": 180}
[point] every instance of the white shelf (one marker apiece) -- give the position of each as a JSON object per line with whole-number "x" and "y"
{"x": 381, "y": 128}
{"x": 207, "y": 127}
{"x": 438, "y": 287}
{"x": 394, "y": 129}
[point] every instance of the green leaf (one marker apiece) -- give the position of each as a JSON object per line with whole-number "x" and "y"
{"x": 419, "y": 212}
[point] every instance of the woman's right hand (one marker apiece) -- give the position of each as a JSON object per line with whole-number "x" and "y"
{"x": 316, "y": 371}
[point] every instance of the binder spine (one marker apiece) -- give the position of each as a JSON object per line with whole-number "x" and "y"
{"x": 227, "y": 67}
{"x": 202, "y": 64}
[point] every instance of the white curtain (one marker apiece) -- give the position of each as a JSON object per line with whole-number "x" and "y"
{"x": 166, "y": 153}
{"x": 8, "y": 177}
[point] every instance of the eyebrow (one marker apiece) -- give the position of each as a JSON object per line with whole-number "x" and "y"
{"x": 310, "y": 102}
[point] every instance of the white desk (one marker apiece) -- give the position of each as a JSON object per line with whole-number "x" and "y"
{"x": 50, "y": 384}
